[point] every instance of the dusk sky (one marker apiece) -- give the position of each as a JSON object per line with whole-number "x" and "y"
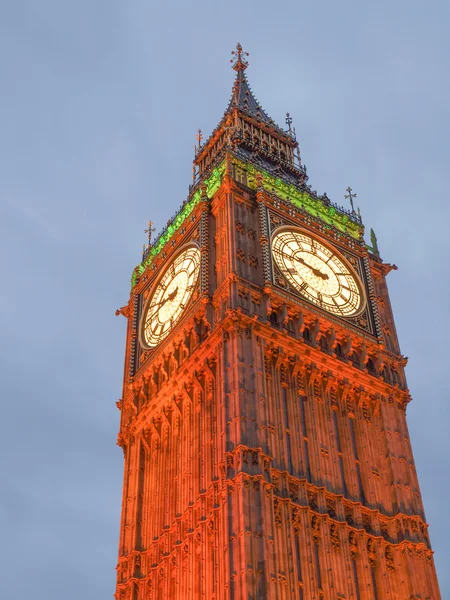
{"x": 100, "y": 104}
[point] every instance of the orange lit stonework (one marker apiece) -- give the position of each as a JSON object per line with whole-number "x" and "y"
{"x": 266, "y": 448}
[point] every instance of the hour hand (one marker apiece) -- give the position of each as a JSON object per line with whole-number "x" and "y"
{"x": 168, "y": 298}
{"x": 158, "y": 305}
{"x": 318, "y": 273}
{"x": 172, "y": 295}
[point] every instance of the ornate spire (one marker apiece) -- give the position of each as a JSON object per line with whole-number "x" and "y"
{"x": 249, "y": 131}
{"x": 242, "y": 96}
{"x": 240, "y": 63}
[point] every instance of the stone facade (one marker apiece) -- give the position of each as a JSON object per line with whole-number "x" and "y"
{"x": 266, "y": 448}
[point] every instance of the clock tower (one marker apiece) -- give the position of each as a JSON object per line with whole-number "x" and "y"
{"x": 263, "y": 424}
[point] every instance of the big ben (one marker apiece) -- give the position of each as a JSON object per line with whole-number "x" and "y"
{"x": 263, "y": 413}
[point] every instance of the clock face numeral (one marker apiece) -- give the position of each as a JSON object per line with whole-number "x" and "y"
{"x": 317, "y": 272}
{"x": 170, "y": 296}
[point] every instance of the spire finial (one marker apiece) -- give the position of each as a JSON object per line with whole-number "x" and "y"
{"x": 240, "y": 63}
{"x": 199, "y": 138}
{"x": 350, "y": 196}
{"x": 150, "y": 230}
{"x": 289, "y": 122}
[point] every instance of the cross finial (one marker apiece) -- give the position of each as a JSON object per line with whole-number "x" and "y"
{"x": 240, "y": 63}
{"x": 150, "y": 230}
{"x": 289, "y": 122}
{"x": 350, "y": 196}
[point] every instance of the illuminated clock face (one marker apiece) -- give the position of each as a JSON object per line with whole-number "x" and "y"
{"x": 170, "y": 296}
{"x": 317, "y": 272}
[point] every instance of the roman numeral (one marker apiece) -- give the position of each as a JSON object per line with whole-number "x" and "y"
{"x": 158, "y": 329}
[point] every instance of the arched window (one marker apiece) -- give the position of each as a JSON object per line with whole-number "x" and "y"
{"x": 371, "y": 367}
{"x": 354, "y": 357}
{"x": 395, "y": 376}
{"x": 273, "y": 319}
{"x": 290, "y": 327}
{"x": 339, "y": 351}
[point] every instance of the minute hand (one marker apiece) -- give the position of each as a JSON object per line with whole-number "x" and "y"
{"x": 316, "y": 272}
{"x": 161, "y": 303}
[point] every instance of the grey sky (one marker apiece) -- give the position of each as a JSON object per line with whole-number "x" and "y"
{"x": 100, "y": 103}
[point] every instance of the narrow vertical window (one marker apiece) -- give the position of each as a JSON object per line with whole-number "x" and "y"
{"x": 361, "y": 490}
{"x": 317, "y": 561}
{"x": 355, "y": 579}
{"x": 352, "y": 433}
{"x": 374, "y": 583}
{"x": 297, "y": 555}
{"x": 355, "y": 453}
{"x": 135, "y": 591}
{"x": 305, "y": 437}
{"x": 299, "y": 566}
{"x": 140, "y": 498}
{"x": 339, "y": 449}
{"x": 287, "y": 432}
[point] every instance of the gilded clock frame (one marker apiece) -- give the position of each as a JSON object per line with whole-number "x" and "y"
{"x": 335, "y": 251}
{"x": 151, "y": 290}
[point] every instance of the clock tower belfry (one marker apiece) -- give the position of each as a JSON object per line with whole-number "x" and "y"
{"x": 263, "y": 424}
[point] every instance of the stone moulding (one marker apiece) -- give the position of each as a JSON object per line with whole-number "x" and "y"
{"x": 299, "y": 198}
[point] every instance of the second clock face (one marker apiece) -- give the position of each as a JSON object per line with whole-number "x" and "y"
{"x": 317, "y": 272}
{"x": 170, "y": 296}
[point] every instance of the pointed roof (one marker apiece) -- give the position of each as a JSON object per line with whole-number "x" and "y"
{"x": 238, "y": 137}
{"x": 242, "y": 96}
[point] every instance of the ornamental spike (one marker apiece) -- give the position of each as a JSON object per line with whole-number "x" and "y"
{"x": 240, "y": 63}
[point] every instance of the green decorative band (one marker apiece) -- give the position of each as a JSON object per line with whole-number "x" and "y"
{"x": 301, "y": 199}
{"x": 212, "y": 184}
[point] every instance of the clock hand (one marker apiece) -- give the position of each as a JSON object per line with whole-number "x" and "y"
{"x": 161, "y": 303}
{"x": 316, "y": 272}
{"x": 173, "y": 294}
{"x": 169, "y": 298}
